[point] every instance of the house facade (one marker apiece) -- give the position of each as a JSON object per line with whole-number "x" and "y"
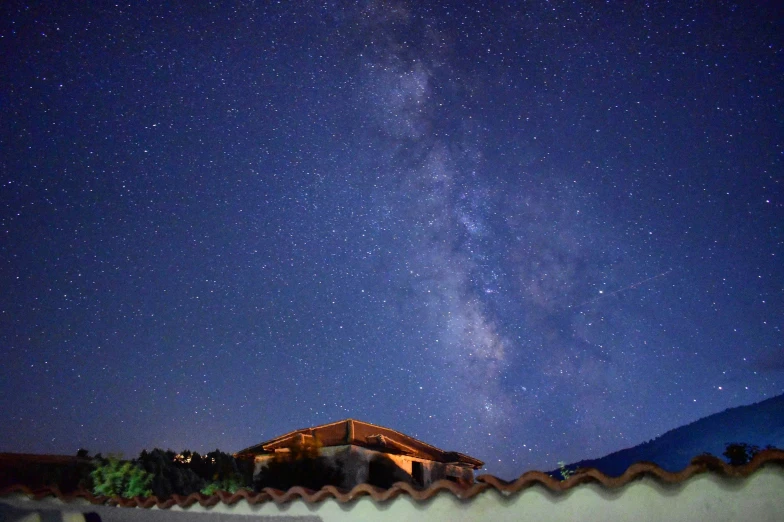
{"x": 367, "y": 453}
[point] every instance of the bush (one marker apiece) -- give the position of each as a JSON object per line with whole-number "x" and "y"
{"x": 564, "y": 470}
{"x": 231, "y": 484}
{"x": 113, "y": 477}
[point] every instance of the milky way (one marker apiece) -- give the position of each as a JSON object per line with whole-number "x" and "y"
{"x": 528, "y": 234}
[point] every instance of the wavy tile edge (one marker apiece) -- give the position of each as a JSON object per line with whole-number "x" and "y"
{"x": 698, "y": 465}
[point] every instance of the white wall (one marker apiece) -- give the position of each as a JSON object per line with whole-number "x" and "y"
{"x": 757, "y": 498}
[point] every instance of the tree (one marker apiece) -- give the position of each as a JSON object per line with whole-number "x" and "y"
{"x": 165, "y": 473}
{"x": 221, "y": 472}
{"x": 740, "y": 453}
{"x": 171, "y": 475}
{"x": 188, "y": 472}
{"x": 301, "y": 466}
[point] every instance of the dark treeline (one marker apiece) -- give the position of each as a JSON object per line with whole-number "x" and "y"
{"x": 158, "y": 472}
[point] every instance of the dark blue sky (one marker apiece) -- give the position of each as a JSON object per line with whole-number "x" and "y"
{"x": 528, "y": 233}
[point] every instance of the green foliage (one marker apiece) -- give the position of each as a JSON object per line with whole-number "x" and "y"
{"x": 157, "y": 472}
{"x": 188, "y": 472}
{"x": 230, "y": 484}
{"x": 114, "y": 477}
{"x": 564, "y": 471}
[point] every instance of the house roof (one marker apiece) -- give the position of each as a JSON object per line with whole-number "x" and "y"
{"x": 34, "y": 458}
{"x": 366, "y": 435}
{"x": 699, "y": 465}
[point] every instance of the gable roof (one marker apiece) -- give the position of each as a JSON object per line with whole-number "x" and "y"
{"x": 365, "y": 435}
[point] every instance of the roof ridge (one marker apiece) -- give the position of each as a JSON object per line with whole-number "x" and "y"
{"x": 346, "y": 421}
{"x": 290, "y": 433}
{"x": 401, "y": 434}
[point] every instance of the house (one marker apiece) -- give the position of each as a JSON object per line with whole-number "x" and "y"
{"x": 367, "y": 453}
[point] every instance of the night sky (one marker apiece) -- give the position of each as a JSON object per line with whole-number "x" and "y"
{"x": 531, "y": 232}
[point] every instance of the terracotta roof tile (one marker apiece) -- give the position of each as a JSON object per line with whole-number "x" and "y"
{"x": 698, "y": 465}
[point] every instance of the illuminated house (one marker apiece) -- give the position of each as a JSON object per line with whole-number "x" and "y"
{"x": 366, "y": 452}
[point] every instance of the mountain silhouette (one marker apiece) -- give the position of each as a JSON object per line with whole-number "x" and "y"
{"x": 760, "y": 424}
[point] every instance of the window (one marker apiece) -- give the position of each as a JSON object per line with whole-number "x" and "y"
{"x": 418, "y": 473}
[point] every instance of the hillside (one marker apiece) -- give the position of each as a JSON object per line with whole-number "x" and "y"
{"x": 759, "y": 424}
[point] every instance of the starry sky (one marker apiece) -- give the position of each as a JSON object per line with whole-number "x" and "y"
{"x": 525, "y": 231}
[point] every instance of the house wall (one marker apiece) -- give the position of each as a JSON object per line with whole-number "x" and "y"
{"x": 334, "y": 453}
{"x": 355, "y": 463}
{"x": 704, "y": 497}
{"x": 432, "y": 471}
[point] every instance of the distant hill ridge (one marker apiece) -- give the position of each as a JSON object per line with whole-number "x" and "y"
{"x": 759, "y": 424}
